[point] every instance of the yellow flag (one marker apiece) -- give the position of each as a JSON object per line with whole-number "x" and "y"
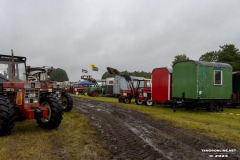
{"x": 92, "y": 65}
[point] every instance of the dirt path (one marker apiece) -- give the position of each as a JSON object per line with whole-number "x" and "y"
{"x": 133, "y": 135}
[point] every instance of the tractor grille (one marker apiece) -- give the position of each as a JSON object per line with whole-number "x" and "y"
{"x": 31, "y": 95}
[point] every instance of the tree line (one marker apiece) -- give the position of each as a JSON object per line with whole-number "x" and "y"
{"x": 227, "y": 53}
{"x": 135, "y": 73}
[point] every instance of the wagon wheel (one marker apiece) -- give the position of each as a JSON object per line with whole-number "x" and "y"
{"x": 213, "y": 107}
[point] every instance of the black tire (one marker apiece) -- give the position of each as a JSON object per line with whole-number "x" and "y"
{"x": 55, "y": 113}
{"x": 120, "y": 99}
{"x": 213, "y": 107}
{"x": 138, "y": 102}
{"x": 67, "y": 102}
{"x": 149, "y": 102}
{"x": 127, "y": 100}
{"x": 7, "y": 116}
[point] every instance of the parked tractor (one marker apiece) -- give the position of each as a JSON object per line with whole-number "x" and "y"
{"x": 77, "y": 89}
{"x": 137, "y": 89}
{"x": 143, "y": 93}
{"x": 94, "y": 90}
{"x": 126, "y": 94}
{"x": 20, "y": 98}
{"x": 52, "y": 88}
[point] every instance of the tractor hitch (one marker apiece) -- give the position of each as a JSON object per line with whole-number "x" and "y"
{"x": 36, "y": 113}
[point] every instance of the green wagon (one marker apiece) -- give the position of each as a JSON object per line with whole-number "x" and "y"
{"x": 205, "y": 83}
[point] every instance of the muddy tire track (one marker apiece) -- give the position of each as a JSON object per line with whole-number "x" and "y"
{"x": 133, "y": 135}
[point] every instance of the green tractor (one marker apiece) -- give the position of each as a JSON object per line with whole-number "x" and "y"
{"x": 93, "y": 90}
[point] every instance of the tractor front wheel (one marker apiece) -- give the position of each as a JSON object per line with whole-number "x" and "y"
{"x": 149, "y": 102}
{"x": 120, "y": 99}
{"x": 127, "y": 100}
{"x": 55, "y": 113}
{"x": 67, "y": 102}
{"x": 94, "y": 94}
{"x": 138, "y": 102}
{"x": 7, "y": 116}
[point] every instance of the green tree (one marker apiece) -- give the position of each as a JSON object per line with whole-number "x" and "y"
{"x": 209, "y": 56}
{"x": 179, "y": 58}
{"x": 59, "y": 75}
{"x": 135, "y": 73}
{"x": 106, "y": 75}
{"x": 229, "y": 54}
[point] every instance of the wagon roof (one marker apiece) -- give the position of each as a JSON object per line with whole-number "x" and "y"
{"x": 237, "y": 73}
{"x": 210, "y": 64}
{"x": 170, "y": 70}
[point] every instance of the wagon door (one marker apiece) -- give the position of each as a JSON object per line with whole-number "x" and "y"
{"x": 161, "y": 84}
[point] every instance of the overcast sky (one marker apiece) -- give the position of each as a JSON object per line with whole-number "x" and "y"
{"x": 133, "y": 35}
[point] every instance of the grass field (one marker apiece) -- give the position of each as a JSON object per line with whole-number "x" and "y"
{"x": 219, "y": 125}
{"x": 77, "y": 139}
{"x": 74, "y": 139}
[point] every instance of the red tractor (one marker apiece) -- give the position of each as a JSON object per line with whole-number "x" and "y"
{"x": 126, "y": 94}
{"x": 52, "y": 88}
{"x": 143, "y": 94}
{"x": 22, "y": 99}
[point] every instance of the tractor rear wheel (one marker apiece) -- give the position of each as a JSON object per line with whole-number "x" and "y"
{"x": 55, "y": 113}
{"x": 67, "y": 102}
{"x": 7, "y": 116}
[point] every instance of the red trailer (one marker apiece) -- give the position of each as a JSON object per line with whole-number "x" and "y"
{"x": 161, "y": 85}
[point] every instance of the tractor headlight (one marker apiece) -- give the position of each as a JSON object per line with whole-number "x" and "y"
{"x": 32, "y": 100}
{"x": 144, "y": 94}
{"x": 35, "y": 100}
{"x": 26, "y": 101}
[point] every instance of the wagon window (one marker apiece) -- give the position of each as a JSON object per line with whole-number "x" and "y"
{"x": 110, "y": 82}
{"x": 217, "y": 77}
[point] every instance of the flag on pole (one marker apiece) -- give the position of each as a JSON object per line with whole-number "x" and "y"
{"x": 84, "y": 71}
{"x": 95, "y": 68}
{"x": 92, "y": 66}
